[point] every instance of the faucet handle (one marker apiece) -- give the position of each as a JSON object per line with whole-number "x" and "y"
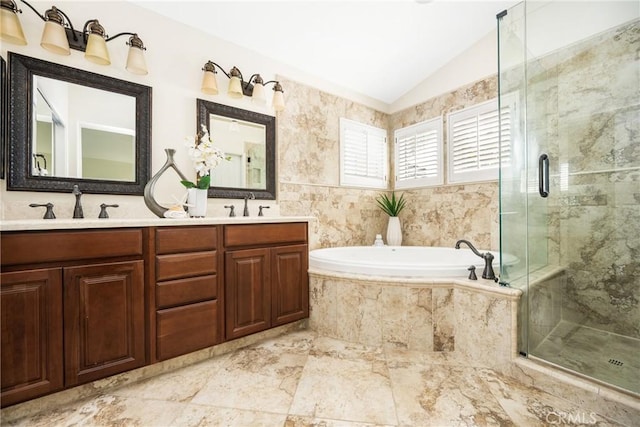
{"x": 232, "y": 211}
{"x": 260, "y": 209}
{"x": 49, "y": 213}
{"x": 103, "y": 210}
{"x": 472, "y": 273}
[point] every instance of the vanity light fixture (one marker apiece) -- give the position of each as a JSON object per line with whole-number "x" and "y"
{"x": 59, "y": 36}
{"x": 11, "y": 30}
{"x": 238, "y": 87}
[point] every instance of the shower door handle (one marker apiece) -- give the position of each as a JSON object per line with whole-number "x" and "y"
{"x": 543, "y": 175}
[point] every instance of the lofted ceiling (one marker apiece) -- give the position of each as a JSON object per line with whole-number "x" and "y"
{"x": 380, "y": 49}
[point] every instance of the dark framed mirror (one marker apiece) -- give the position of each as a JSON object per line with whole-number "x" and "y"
{"x": 4, "y": 113}
{"x": 249, "y": 140}
{"x": 69, "y": 126}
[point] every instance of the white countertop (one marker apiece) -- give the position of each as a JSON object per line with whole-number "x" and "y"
{"x": 71, "y": 224}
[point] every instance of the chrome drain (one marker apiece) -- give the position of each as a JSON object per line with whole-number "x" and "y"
{"x": 616, "y": 362}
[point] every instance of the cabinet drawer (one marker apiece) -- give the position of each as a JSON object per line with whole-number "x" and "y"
{"x": 185, "y": 329}
{"x": 185, "y": 239}
{"x": 261, "y": 234}
{"x": 186, "y": 291}
{"x": 177, "y": 266}
{"x": 56, "y": 246}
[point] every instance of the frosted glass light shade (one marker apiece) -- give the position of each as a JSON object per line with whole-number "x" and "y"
{"x": 11, "y": 30}
{"x": 209, "y": 83}
{"x": 258, "y": 94}
{"x": 235, "y": 88}
{"x": 136, "y": 63}
{"x": 97, "y": 51}
{"x": 278, "y": 101}
{"x": 54, "y": 38}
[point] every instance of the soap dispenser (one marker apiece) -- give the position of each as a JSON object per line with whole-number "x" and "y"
{"x": 378, "y": 241}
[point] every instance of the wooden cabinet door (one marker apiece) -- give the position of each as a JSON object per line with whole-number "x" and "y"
{"x": 289, "y": 284}
{"x": 247, "y": 292}
{"x": 31, "y": 304}
{"x": 103, "y": 320}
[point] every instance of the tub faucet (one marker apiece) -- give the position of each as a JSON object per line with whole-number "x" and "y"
{"x": 487, "y": 273}
{"x": 77, "y": 210}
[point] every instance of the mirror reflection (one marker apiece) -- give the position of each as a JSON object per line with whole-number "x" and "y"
{"x": 248, "y": 138}
{"x": 82, "y": 132}
{"x": 74, "y": 127}
{"x": 244, "y": 143}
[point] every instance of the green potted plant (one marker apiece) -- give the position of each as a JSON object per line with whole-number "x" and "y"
{"x": 392, "y": 206}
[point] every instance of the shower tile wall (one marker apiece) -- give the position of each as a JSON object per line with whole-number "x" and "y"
{"x": 595, "y": 151}
{"x": 308, "y": 170}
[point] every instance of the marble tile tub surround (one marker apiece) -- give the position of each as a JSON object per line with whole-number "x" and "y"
{"x": 308, "y": 170}
{"x": 304, "y": 379}
{"x": 450, "y": 320}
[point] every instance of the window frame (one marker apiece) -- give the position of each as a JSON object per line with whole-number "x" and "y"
{"x": 430, "y": 125}
{"x": 374, "y": 135}
{"x": 491, "y": 106}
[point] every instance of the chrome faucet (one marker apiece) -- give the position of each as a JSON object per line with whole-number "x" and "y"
{"x": 246, "y": 207}
{"x": 77, "y": 210}
{"x": 488, "y": 272}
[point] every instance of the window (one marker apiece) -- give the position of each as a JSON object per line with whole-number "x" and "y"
{"x": 474, "y": 142}
{"x": 418, "y": 154}
{"x": 363, "y": 155}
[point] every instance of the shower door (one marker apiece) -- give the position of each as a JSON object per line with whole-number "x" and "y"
{"x": 570, "y": 196}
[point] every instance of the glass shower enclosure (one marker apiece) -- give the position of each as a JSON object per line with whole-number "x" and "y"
{"x": 569, "y": 83}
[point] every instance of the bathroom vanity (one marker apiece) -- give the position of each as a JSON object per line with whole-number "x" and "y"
{"x": 83, "y": 304}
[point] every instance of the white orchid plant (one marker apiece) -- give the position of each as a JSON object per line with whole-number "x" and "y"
{"x": 205, "y": 158}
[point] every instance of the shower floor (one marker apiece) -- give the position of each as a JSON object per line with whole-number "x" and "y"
{"x": 612, "y": 358}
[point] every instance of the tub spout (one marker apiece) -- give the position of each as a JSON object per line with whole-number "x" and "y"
{"x": 488, "y": 272}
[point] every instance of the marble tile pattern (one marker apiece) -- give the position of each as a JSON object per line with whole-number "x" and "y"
{"x": 439, "y": 216}
{"x": 602, "y": 355}
{"x": 544, "y": 295}
{"x": 302, "y": 379}
{"x": 436, "y": 318}
{"x": 585, "y": 102}
{"x": 308, "y": 174}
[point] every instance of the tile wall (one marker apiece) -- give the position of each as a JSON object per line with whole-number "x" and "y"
{"x": 308, "y": 171}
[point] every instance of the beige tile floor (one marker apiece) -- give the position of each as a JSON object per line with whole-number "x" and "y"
{"x": 301, "y": 379}
{"x": 609, "y": 357}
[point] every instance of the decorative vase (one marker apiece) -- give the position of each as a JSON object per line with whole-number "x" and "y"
{"x": 394, "y": 231}
{"x": 149, "y": 198}
{"x": 197, "y": 201}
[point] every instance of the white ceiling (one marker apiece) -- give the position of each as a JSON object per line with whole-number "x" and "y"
{"x": 381, "y": 49}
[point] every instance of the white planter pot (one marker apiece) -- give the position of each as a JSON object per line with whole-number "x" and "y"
{"x": 197, "y": 200}
{"x": 394, "y": 231}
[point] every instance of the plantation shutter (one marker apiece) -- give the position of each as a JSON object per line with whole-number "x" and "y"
{"x": 474, "y": 142}
{"x": 363, "y": 155}
{"x": 418, "y": 154}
